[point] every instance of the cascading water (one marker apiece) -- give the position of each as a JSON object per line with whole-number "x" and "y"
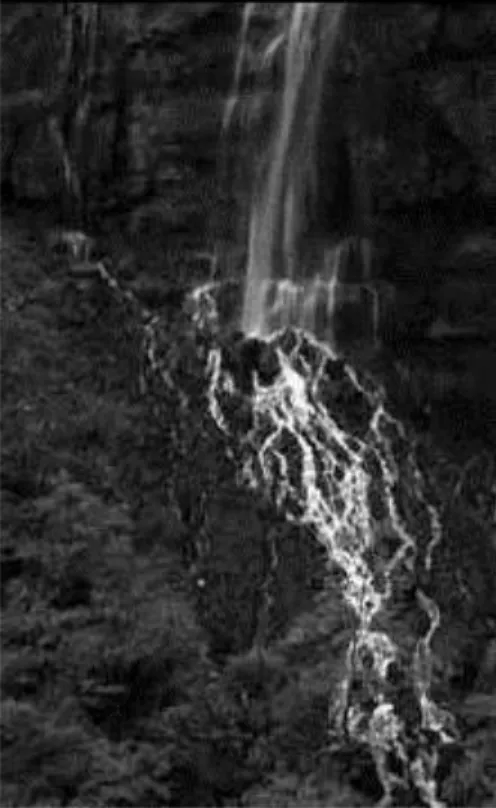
{"x": 316, "y": 438}
{"x": 321, "y": 442}
{"x": 294, "y": 275}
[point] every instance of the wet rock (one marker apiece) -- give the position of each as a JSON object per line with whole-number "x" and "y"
{"x": 425, "y": 144}
{"x": 245, "y": 358}
{"x": 268, "y": 364}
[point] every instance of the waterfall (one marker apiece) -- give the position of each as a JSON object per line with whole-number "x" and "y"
{"x": 320, "y": 441}
{"x": 298, "y": 263}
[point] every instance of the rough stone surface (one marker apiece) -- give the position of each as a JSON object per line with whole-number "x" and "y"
{"x": 414, "y": 99}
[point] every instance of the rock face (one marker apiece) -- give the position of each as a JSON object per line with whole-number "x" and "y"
{"x": 407, "y": 135}
{"x": 419, "y": 106}
{"x": 151, "y": 143}
{"x": 421, "y": 123}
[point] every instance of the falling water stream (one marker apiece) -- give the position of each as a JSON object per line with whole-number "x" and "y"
{"x": 293, "y": 278}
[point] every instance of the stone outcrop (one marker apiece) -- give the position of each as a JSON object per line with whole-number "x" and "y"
{"x": 420, "y": 113}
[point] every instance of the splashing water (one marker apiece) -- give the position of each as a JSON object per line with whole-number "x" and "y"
{"x": 321, "y": 443}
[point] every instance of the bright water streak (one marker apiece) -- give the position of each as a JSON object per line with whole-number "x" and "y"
{"x": 278, "y": 215}
{"x": 315, "y": 463}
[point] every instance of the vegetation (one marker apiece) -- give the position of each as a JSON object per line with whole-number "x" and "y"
{"x": 110, "y": 692}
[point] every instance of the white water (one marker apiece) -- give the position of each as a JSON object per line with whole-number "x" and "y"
{"x": 304, "y": 452}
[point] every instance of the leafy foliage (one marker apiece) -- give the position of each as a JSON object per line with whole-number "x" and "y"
{"x": 110, "y": 693}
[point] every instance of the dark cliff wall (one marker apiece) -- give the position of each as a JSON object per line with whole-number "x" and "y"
{"x": 414, "y": 95}
{"x": 422, "y": 129}
{"x": 150, "y": 145}
{"x": 422, "y": 124}
{"x": 410, "y": 112}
